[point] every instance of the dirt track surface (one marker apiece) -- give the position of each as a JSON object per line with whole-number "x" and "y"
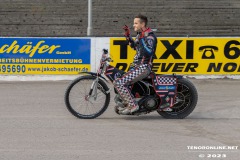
{"x": 35, "y": 124}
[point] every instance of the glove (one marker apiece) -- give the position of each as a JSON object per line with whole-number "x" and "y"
{"x": 127, "y": 31}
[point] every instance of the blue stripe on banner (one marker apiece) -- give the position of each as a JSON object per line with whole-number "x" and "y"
{"x": 145, "y": 46}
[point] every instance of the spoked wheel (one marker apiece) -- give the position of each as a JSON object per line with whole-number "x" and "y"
{"x": 80, "y": 104}
{"x": 186, "y": 100}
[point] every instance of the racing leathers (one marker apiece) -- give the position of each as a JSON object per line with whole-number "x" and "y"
{"x": 145, "y": 45}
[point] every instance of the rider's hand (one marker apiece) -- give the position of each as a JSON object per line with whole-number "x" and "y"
{"x": 127, "y": 31}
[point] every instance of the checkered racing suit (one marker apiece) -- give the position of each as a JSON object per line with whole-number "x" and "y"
{"x": 145, "y": 45}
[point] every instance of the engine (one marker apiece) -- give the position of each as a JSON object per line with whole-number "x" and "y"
{"x": 144, "y": 91}
{"x": 145, "y": 96}
{"x": 149, "y": 102}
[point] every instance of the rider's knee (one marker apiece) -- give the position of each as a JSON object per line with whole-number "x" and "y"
{"x": 117, "y": 82}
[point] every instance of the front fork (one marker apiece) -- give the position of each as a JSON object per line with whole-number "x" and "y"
{"x": 93, "y": 89}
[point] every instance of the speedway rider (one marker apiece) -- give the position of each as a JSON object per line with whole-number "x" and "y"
{"x": 145, "y": 45}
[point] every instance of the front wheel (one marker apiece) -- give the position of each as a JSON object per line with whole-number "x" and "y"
{"x": 186, "y": 101}
{"x": 78, "y": 101}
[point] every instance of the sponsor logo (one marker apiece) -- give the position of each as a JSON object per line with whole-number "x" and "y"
{"x": 166, "y": 87}
{"x": 29, "y": 48}
{"x": 182, "y": 55}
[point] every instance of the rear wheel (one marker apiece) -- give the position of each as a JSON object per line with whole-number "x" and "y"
{"x": 80, "y": 104}
{"x": 186, "y": 100}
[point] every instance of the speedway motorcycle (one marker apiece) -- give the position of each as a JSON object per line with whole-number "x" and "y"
{"x": 172, "y": 96}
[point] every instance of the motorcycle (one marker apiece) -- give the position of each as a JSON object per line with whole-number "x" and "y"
{"x": 172, "y": 96}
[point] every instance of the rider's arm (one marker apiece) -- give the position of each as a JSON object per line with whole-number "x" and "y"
{"x": 148, "y": 45}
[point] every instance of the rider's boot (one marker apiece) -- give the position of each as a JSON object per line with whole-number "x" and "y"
{"x": 135, "y": 108}
{"x": 126, "y": 111}
{"x": 129, "y": 110}
{"x": 120, "y": 104}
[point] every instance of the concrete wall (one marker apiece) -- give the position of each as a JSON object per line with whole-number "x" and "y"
{"x": 68, "y": 18}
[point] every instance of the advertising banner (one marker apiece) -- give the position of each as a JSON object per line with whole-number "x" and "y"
{"x": 44, "y": 55}
{"x": 205, "y": 55}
